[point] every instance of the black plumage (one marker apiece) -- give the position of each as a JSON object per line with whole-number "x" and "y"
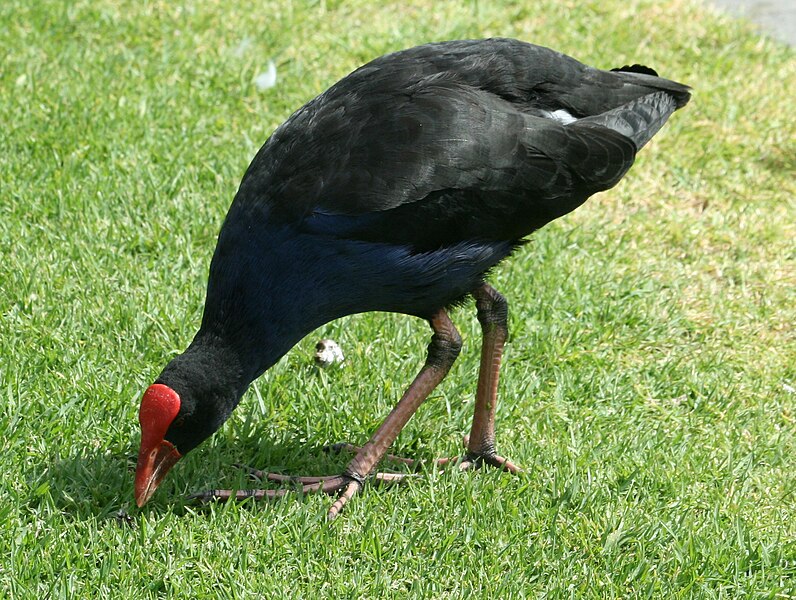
{"x": 397, "y": 190}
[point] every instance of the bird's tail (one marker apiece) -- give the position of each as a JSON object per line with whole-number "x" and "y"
{"x": 645, "y": 77}
{"x": 639, "y": 119}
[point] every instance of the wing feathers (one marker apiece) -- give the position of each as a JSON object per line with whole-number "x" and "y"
{"x": 496, "y": 129}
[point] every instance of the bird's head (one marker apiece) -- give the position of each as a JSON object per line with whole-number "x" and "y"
{"x": 190, "y": 400}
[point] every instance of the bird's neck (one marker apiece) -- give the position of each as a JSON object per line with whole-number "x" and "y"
{"x": 243, "y": 354}
{"x": 209, "y": 367}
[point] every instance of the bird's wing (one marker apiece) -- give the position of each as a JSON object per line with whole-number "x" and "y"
{"x": 451, "y": 133}
{"x": 527, "y": 75}
{"x": 355, "y": 157}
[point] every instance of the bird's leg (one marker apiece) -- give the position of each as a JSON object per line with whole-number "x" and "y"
{"x": 442, "y": 352}
{"x": 493, "y": 317}
{"x": 480, "y": 443}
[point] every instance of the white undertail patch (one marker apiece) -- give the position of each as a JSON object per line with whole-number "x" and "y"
{"x": 561, "y": 116}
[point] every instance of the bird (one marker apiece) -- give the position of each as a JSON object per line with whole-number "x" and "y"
{"x": 398, "y": 189}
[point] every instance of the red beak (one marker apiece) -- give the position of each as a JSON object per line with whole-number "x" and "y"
{"x": 153, "y": 464}
{"x": 156, "y": 456}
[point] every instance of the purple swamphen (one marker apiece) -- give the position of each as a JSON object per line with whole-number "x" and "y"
{"x": 398, "y": 189}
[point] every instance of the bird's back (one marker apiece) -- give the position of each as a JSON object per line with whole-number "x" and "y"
{"x": 477, "y": 118}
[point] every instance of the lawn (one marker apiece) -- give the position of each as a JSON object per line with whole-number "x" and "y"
{"x": 649, "y": 388}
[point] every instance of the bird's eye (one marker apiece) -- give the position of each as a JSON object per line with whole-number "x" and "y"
{"x": 178, "y": 422}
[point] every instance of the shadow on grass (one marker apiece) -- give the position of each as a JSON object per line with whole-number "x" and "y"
{"x": 86, "y": 485}
{"x": 99, "y": 485}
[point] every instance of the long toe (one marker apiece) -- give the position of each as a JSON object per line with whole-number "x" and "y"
{"x": 344, "y": 485}
{"x": 349, "y": 491}
{"x": 237, "y": 495}
{"x": 279, "y": 477}
{"x": 348, "y": 487}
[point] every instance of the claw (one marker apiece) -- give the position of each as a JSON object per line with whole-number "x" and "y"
{"x": 350, "y": 490}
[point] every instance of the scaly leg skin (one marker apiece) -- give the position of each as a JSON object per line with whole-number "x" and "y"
{"x": 493, "y": 316}
{"x": 442, "y": 352}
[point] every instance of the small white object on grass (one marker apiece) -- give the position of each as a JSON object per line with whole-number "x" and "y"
{"x": 327, "y": 352}
{"x": 266, "y": 79}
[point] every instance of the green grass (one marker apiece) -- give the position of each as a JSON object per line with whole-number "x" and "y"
{"x": 648, "y": 385}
